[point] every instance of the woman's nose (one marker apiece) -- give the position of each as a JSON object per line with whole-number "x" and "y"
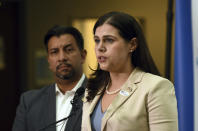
{"x": 101, "y": 47}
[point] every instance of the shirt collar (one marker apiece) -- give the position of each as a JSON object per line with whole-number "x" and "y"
{"x": 75, "y": 88}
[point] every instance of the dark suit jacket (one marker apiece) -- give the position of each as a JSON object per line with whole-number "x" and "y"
{"x": 37, "y": 109}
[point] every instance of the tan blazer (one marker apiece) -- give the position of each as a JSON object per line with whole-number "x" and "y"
{"x": 146, "y": 102}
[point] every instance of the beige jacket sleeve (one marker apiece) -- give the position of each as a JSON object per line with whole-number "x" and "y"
{"x": 162, "y": 107}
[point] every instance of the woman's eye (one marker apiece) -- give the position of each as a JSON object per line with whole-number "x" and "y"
{"x": 109, "y": 40}
{"x": 97, "y": 41}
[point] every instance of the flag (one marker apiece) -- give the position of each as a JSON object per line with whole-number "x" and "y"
{"x": 186, "y": 63}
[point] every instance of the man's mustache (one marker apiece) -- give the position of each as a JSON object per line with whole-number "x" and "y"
{"x": 65, "y": 64}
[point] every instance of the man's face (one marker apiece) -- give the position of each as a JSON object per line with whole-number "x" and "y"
{"x": 64, "y": 57}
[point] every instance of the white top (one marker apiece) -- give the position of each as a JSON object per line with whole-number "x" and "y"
{"x": 63, "y": 104}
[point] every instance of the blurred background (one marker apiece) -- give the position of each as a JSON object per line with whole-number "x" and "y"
{"x": 23, "y": 24}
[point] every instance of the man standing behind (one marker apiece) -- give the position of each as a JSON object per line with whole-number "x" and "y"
{"x": 39, "y": 108}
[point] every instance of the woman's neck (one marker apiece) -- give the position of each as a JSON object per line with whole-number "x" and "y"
{"x": 119, "y": 78}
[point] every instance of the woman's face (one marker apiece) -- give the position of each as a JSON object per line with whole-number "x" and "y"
{"x": 112, "y": 51}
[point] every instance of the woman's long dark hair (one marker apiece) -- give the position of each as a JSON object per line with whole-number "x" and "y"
{"x": 128, "y": 28}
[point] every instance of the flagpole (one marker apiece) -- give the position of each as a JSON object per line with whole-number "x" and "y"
{"x": 169, "y": 39}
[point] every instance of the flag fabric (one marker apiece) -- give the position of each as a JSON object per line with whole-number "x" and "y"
{"x": 195, "y": 59}
{"x": 186, "y": 63}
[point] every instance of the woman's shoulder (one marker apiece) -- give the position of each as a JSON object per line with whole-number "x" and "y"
{"x": 139, "y": 75}
{"x": 149, "y": 77}
{"x": 150, "y": 82}
{"x": 156, "y": 85}
{"x": 155, "y": 79}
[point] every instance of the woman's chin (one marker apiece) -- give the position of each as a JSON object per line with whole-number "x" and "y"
{"x": 104, "y": 68}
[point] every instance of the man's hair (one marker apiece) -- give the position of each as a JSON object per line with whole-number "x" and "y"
{"x": 61, "y": 30}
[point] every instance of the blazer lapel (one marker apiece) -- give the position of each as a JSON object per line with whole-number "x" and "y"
{"x": 127, "y": 90}
{"x": 91, "y": 109}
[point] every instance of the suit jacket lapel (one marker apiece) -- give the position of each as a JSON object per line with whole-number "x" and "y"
{"x": 127, "y": 90}
{"x": 50, "y": 114}
{"x": 75, "y": 121}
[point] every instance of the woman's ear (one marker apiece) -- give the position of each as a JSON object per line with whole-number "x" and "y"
{"x": 133, "y": 44}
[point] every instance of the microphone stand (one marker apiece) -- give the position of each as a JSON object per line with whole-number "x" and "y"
{"x": 75, "y": 107}
{"x": 54, "y": 123}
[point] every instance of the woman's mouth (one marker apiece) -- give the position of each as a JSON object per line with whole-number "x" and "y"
{"x": 101, "y": 59}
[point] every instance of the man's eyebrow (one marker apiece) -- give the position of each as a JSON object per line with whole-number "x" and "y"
{"x": 68, "y": 45}
{"x": 56, "y": 48}
{"x": 51, "y": 49}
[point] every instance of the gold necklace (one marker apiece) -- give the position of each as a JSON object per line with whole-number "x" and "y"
{"x": 112, "y": 92}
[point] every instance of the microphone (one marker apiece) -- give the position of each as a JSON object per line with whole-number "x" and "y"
{"x": 80, "y": 91}
{"x": 75, "y": 106}
{"x": 54, "y": 123}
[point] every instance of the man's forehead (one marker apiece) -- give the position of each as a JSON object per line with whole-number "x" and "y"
{"x": 67, "y": 37}
{"x": 62, "y": 40}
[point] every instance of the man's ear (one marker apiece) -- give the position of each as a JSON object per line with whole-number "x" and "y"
{"x": 47, "y": 57}
{"x": 83, "y": 55}
{"x": 133, "y": 44}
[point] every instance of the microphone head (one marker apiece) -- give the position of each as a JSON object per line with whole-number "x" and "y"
{"x": 80, "y": 91}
